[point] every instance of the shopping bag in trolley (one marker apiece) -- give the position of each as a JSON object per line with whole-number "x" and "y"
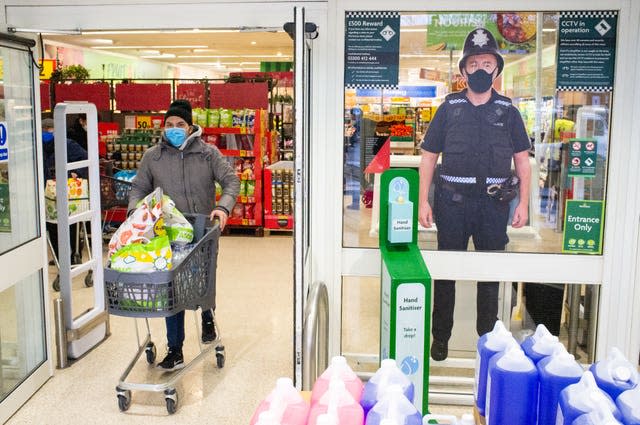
{"x": 188, "y": 285}
{"x": 78, "y": 195}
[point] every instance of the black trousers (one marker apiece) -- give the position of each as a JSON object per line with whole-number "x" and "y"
{"x": 462, "y": 212}
{"x": 52, "y": 229}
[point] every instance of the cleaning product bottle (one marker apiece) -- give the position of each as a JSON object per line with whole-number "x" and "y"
{"x": 326, "y": 419}
{"x": 285, "y": 405}
{"x": 600, "y": 415}
{"x": 338, "y": 368}
{"x": 540, "y": 344}
{"x": 338, "y": 402}
{"x": 395, "y": 406}
{"x": 629, "y": 404}
{"x": 466, "y": 419}
{"x": 580, "y": 398}
{"x": 512, "y": 389}
{"x": 489, "y": 344}
{"x": 615, "y": 373}
{"x": 555, "y": 373}
{"x": 388, "y": 374}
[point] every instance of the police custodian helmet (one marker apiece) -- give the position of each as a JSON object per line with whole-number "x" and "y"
{"x": 480, "y": 41}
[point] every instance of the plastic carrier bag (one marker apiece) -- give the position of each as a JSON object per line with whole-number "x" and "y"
{"x": 78, "y": 197}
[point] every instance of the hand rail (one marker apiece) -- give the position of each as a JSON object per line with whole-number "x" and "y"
{"x": 315, "y": 334}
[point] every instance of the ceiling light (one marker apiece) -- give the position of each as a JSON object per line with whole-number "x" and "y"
{"x": 160, "y": 56}
{"x": 230, "y": 56}
{"x": 44, "y": 31}
{"x": 98, "y": 41}
{"x": 149, "y": 52}
{"x": 203, "y": 50}
{"x": 279, "y": 54}
{"x": 253, "y": 43}
{"x": 149, "y": 47}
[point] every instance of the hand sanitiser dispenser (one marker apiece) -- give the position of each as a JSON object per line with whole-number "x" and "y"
{"x": 405, "y": 299}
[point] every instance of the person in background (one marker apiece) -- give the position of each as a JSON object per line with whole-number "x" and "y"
{"x": 478, "y": 132}
{"x": 74, "y": 153}
{"x": 78, "y": 131}
{"x": 186, "y": 169}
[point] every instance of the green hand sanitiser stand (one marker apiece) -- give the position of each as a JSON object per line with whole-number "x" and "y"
{"x": 406, "y": 283}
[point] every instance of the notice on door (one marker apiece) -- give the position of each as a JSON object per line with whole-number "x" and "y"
{"x": 583, "y": 227}
{"x": 586, "y": 50}
{"x": 372, "y": 50}
{"x": 582, "y": 157}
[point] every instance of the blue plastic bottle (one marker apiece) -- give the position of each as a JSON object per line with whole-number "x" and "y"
{"x": 629, "y": 404}
{"x": 581, "y": 398}
{"x": 615, "y": 374}
{"x": 512, "y": 389}
{"x": 394, "y": 406}
{"x": 388, "y": 374}
{"x": 489, "y": 344}
{"x": 600, "y": 415}
{"x": 555, "y": 373}
{"x": 540, "y": 344}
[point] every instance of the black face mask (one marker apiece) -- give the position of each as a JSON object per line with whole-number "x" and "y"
{"x": 480, "y": 81}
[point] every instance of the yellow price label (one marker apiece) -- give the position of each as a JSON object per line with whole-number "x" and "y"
{"x": 143, "y": 121}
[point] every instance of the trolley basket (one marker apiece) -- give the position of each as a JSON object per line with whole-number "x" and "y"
{"x": 114, "y": 192}
{"x": 188, "y": 286}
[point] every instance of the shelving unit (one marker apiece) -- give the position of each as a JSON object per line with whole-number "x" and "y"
{"x": 279, "y": 196}
{"x": 245, "y": 149}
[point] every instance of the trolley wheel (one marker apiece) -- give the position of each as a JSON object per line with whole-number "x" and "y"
{"x": 124, "y": 399}
{"x": 220, "y": 356}
{"x": 76, "y": 258}
{"x": 150, "y": 351}
{"x": 88, "y": 279}
{"x": 56, "y": 284}
{"x": 171, "y": 398}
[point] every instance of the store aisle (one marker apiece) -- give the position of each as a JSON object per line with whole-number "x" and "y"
{"x": 255, "y": 315}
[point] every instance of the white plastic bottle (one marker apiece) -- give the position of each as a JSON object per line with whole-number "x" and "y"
{"x": 395, "y": 406}
{"x": 540, "y": 344}
{"x": 489, "y": 344}
{"x": 284, "y": 404}
{"x": 615, "y": 374}
{"x": 388, "y": 374}
{"x": 600, "y": 415}
{"x": 629, "y": 404}
{"x": 337, "y": 369}
{"x": 581, "y": 398}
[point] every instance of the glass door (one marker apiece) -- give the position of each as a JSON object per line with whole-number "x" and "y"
{"x": 302, "y": 137}
{"x": 24, "y": 341}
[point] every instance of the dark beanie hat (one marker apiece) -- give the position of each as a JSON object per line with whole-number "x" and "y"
{"x": 180, "y": 108}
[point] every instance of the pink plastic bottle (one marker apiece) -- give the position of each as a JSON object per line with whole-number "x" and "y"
{"x": 339, "y": 403}
{"x": 338, "y": 369}
{"x": 284, "y": 404}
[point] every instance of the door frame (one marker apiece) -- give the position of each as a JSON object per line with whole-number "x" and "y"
{"x": 617, "y": 269}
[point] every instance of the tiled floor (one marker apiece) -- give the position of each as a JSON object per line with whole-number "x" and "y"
{"x": 255, "y": 316}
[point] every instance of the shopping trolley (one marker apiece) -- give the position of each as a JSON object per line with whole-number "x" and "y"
{"x": 191, "y": 284}
{"x": 114, "y": 197}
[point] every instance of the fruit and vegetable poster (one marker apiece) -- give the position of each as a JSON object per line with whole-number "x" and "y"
{"x": 586, "y": 50}
{"x": 372, "y": 50}
{"x": 583, "y": 227}
{"x": 514, "y": 32}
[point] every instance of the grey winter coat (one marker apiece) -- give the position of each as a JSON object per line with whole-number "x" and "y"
{"x": 187, "y": 175}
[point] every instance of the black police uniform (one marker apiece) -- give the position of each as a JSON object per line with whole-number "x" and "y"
{"x": 477, "y": 145}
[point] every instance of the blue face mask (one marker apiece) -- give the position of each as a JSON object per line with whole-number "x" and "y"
{"x": 47, "y": 137}
{"x": 176, "y": 136}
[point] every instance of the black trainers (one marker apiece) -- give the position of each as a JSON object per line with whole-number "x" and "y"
{"x": 173, "y": 360}
{"x": 439, "y": 350}
{"x": 209, "y": 333}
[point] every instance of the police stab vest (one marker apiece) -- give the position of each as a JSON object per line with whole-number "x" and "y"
{"x": 477, "y": 138}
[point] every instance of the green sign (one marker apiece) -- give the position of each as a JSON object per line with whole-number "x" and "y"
{"x": 5, "y": 212}
{"x": 586, "y": 50}
{"x": 583, "y": 227}
{"x": 582, "y": 157}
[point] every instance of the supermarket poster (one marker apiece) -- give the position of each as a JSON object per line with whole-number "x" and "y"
{"x": 372, "y": 50}
{"x": 514, "y": 32}
{"x": 583, "y": 227}
{"x": 586, "y": 50}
